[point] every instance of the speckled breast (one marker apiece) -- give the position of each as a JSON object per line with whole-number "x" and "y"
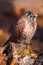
{"x": 26, "y": 27}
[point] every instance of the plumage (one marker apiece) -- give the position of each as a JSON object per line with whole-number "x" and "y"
{"x": 25, "y": 28}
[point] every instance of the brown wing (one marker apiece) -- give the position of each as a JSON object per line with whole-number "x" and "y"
{"x": 18, "y": 30}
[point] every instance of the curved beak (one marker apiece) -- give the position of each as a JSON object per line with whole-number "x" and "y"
{"x": 36, "y": 15}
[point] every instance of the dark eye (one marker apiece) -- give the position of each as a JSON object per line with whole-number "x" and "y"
{"x": 31, "y": 16}
{"x": 28, "y": 13}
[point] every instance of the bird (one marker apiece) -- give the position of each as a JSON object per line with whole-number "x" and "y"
{"x": 24, "y": 29}
{"x": 23, "y": 32}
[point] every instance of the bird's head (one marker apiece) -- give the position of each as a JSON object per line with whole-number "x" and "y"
{"x": 31, "y": 15}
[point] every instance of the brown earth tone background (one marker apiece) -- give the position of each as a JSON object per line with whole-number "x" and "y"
{"x": 12, "y": 10}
